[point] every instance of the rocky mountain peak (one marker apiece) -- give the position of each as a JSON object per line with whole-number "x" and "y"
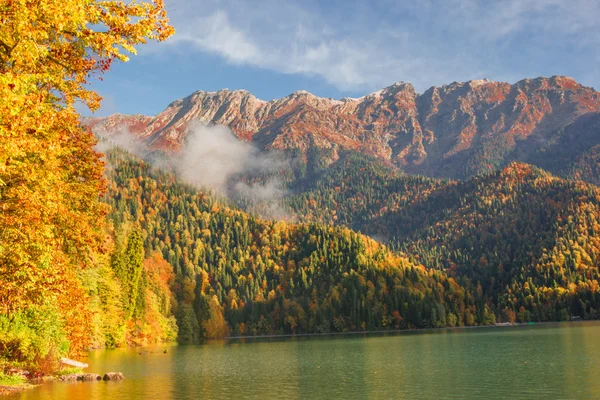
{"x": 451, "y": 130}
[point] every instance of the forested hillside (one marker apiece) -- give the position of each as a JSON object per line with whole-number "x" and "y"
{"x": 236, "y": 274}
{"x": 530, "y": 239}
{"x": 516, "y": 245}
{"x": 356, "y": 191}
{"x": 526, "y": 238}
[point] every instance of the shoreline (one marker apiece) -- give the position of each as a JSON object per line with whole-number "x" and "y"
{"x": 399, "y": 331}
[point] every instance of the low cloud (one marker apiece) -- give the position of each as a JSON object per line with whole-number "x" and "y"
{"x": 214, "y": 159}
{"x": 124, "y": 139}
{"x": 212, "y": 155}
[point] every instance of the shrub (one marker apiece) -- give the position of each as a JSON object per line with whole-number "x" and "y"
{"x": 11, "y": 380}
{"x": 33, "y": 338}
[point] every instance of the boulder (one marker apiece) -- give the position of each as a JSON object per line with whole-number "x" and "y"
{"x": 113, "y": 376}
{"x": 91, "y": 377}
{"x": 71, "y": 377}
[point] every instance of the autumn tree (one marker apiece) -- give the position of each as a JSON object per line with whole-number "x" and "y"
{"x": 127, "y": 265}
{"x": 50, "y": 177}
{"x": 216, "y": 326}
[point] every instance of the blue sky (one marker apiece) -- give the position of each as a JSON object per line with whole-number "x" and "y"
{"x": 350, "y": 48}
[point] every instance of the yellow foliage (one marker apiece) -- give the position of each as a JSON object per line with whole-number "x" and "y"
{"x": 52, "y": 47}
{"x": 51, "y": 219}
{"x": 215, "y": 327}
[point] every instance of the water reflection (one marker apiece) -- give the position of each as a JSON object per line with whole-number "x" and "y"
{"x": 332, "y": 368}
{"x": 552, "y": 361}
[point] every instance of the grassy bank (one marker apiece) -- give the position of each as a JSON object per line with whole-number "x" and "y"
{"x": 12, "y": 383}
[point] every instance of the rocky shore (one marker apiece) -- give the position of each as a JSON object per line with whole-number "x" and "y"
{"x": 69, "y": 378}
{"x": 109, "y": 376}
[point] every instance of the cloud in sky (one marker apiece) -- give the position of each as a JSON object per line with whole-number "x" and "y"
{"x": 357, "y": 46}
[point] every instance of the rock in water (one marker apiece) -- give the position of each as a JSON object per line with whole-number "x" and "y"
{"x": 91, "y": 377}
{"x": 71, "y": 377}
{"x": 113, "y": 376}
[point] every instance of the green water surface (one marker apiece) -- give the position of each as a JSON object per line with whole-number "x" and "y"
{"x": 535, "y": 361}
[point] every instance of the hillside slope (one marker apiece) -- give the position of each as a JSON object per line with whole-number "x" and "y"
{"x": 522, "y": 234}
{"x": 515, "y": 245}
{"x": 529, "y": 239}
{"x": 237, "y": 274}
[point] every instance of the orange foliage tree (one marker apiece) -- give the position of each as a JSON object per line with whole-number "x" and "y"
{"x": 50, "y": 177}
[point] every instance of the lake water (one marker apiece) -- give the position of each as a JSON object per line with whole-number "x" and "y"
{"x": 534, "y": 361}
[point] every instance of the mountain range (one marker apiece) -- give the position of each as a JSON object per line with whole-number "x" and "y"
{"x": 454, "y": 131}
{"x": 470, "y": 228}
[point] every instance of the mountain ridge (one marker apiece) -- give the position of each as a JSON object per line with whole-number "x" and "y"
{"x": 455, "y": 130}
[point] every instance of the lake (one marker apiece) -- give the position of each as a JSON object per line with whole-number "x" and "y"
{"x": 533, "y": 361}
